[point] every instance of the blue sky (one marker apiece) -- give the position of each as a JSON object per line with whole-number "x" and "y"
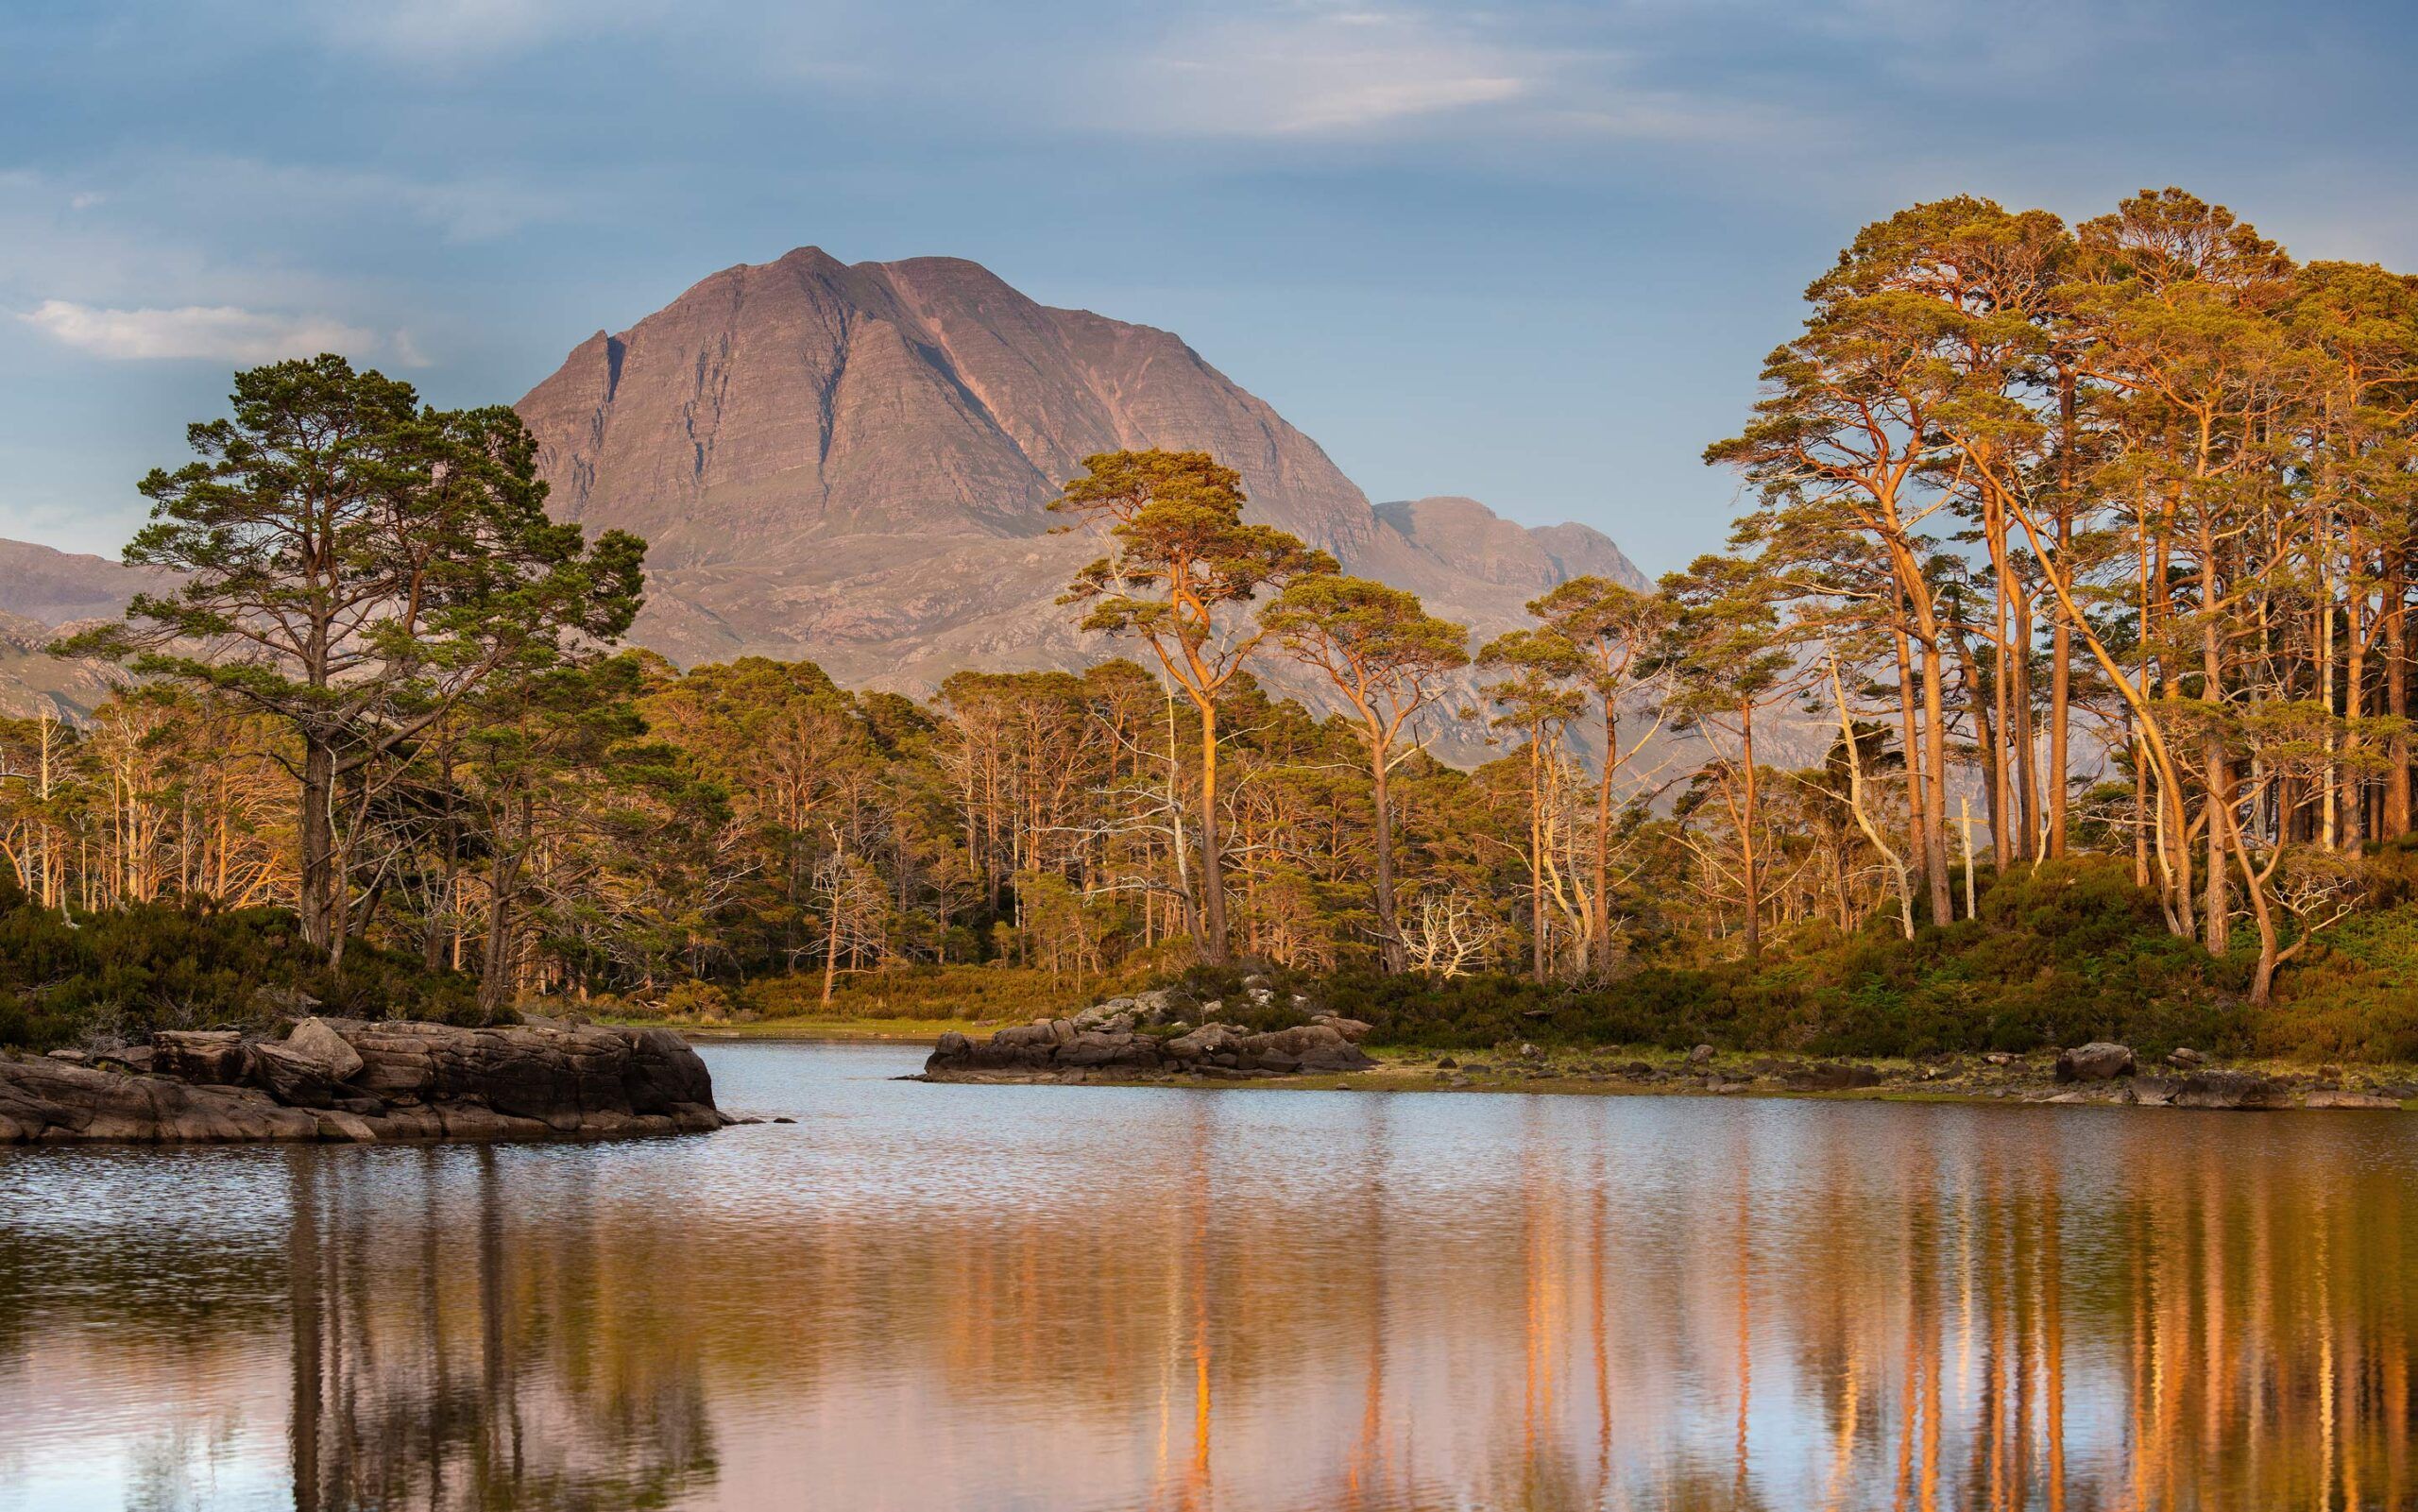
{"x": 1531, "y": 252}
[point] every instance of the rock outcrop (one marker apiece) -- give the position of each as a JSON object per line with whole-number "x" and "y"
{"x": 1131, "y": 1038}
{"x": 345, "y": 1080}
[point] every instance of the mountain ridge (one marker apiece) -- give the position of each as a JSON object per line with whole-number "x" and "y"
{"x": 852, "y": 462}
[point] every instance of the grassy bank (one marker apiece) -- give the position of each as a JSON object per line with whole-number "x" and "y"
{"x": 913, "y": 1003}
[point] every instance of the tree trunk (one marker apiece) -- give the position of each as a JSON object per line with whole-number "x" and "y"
{"x": 1213, "y": 862}
{"x": 2397, "y": 702}
{"x": 495, "y": 965}
{"x": 831, "y": 936}
{"x": 1389, "y": 949}
{"x": 2061, "y": 635}
{"x": 1604, "y": 839}
{"x": 1988, "y": 743}
{"x": 1536, "y": 854}
{"x": 1936, "y": 781}
{"x": 1909, "y": 744}
{"x": 2217, "y": 920}
{"x": 2018, "y": 734}
{"x": 1746, "y": 840}
{"x": 318, "y": 880}
{"x": 2354, "y": 708}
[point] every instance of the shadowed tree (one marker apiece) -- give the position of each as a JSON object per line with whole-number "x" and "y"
{"x": 538, "y": 754}
{"x": 355, "y": 565}
{"x": 1184, "y": 561}
{"x": 1389, "y": 658}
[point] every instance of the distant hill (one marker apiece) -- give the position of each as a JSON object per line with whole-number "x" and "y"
{"x": 56, "y": 588}
{"x": 32, "y": 680}
{"x": 42, "y": 591}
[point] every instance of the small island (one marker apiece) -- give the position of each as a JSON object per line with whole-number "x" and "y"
{"x": 349, "y": 1080}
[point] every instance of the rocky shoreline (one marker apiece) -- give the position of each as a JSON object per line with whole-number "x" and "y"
{"x": 2098, "y": 1073}
{"x": 1149, "y": 1036}
{"x": 349, "y": 1080}
{"x": 1146, "y": 1039}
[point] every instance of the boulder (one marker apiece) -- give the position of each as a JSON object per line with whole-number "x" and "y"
{"x": 2099, "y": 1061}
{"x": 313, "y": 1040}
{"x": 1115, "y": 1016}
{"x": 2185, "y": 1057}
{"x": 1303, "y": 1047}
{"x": 292, "y": 1076}
{"x": 1210, "y": 1039}
{"x": 1701, "y": 1054}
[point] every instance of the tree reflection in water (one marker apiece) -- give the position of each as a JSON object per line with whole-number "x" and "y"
{"x": 486, "y": 1375}
{"x": 964, "y": 1297}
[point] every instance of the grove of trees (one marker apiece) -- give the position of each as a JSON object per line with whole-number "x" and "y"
{"x": 2063, "y": 541}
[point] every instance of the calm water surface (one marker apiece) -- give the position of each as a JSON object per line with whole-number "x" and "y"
{"x": 1042, "y": 1298}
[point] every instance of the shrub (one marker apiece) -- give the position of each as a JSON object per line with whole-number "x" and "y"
{"x": 125, "y": 972}
{"x": 2063, "y": 952}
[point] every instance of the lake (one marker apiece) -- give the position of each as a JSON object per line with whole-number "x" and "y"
{"x": 1067, "y": 1298}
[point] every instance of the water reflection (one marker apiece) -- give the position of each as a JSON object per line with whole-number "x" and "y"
{"x": 967, "y": 1296}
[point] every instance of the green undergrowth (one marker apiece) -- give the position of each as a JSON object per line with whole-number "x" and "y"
{"x": 2062, "y": 952}
{"x": 119, "y": 975}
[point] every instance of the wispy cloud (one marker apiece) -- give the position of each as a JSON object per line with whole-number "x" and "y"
{"x": 1316, "y": 70}
{"x": 215, "y": 332}
{"x": 1296, "y": 72}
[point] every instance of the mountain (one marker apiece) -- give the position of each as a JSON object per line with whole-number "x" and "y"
{"x": 852, "y": 462}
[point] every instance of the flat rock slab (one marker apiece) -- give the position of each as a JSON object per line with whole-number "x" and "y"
{"x": 2327, "y": 1098}
{"x": 346, "y": 1080}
